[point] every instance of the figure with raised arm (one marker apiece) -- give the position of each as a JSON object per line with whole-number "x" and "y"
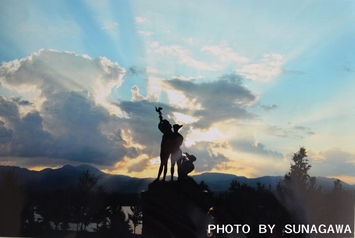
{"x": 165, "y": 147}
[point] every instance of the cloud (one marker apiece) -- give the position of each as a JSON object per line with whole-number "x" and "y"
{"x": 52, "y": 71}
{"x": 268, "y": 108}
{"x": 348, "y": 69}
{"x": 145, "y": 33}
{"x": 22, "y": 136}
{"x": 332, "y": 162}
{"x": 67, "y": 128}
{"x": 140, "y": 20}
{"x": 291, "y": 130}
{"x": 220, "y": 100}
{"x": 292, "y": 72}
{"x": 110, "y": 26}
{"x": 134, "y": 71}
{"x": 139, "y": 166}
{"x": 265, "y": 70}
{"x": 225, "y": 54}
{"x": 255, "y": 148}
{"x": 183, "y": 56}
{"x": 5, "y": 133}
{"x": 142, "y": 121}
{"x": 206, "y": 158}
{"x": 299, "y": 132}
{"x": 191, "y": 40}
{"x": 304, "y": 130}
{"x": 70, "y": 122}
{"x": 136, "y": 96}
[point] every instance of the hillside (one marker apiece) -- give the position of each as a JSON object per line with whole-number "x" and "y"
{"x": 67, "y": 176}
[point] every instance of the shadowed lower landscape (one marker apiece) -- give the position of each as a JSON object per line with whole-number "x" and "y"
{"x": 85, "y": 202}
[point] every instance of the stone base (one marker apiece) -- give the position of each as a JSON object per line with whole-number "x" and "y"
{"x": 175, "y": 209}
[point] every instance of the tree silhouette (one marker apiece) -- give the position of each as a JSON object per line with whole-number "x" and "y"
{"x": 87, "y": 182}
{"x": 305, "y": 201}
{"x": 292, "y": 190}
{"x": 115, "y": 223}
{"x": 340, "y": 204}
{"x": 136, "y": 217}
{"x": 32, "y": 224}
{"x": 298, "y": 174}
{"x": 53, "y": 208}
{"x": 243, "y": 204}
{"x": 82, "y": 208}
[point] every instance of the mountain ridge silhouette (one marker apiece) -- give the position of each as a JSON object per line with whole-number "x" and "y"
{"x": 68, "y": 175}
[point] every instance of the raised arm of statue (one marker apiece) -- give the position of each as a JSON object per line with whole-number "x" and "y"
{"x": 158, "y": 110}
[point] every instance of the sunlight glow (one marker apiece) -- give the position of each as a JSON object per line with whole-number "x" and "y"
{"x": 154, "y": 86}
{"x": 101, "y": 93}
{"x": 40, "y": 168}
{"x": 177, "y": 99}
{"x": 212, "y": 135}
{"x": 345, "y": 178}
{"x": 185, "y": 119}
{"x": 129, "y": 142}
{"x": 141, "y": 167}
{"x": 155, "y": 161}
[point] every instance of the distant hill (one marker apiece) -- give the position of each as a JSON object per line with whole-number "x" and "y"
{"x": 219, "y": 182}
{"x": 68, "y": 176}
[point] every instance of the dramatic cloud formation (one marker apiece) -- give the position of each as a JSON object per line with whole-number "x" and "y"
{"x": 220, "y": 100}
{"x": 246, "y": 97}
{"x": 69, "y": 118}
{"x": 70, "y": 113}
{"x": 52, "y": 71}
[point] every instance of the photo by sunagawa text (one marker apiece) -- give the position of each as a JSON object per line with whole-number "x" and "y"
{"x": 315, "y": 229}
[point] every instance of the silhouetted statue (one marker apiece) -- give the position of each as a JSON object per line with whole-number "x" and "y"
{"x": 165, "y": 147}
{"x": 170, "y": 146}
{"x": 185, "y": 165}
{"x": 167, "y": 205}
{"x": 176, "y": 152}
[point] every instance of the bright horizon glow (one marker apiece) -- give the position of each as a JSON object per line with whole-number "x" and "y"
{"x": 152, "y": 173}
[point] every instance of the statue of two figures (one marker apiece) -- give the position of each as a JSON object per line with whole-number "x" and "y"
{"x": 167, "y": 207}
{"x": 170, "y": 147}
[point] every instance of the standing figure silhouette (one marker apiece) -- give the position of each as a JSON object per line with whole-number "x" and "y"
{"x": 166, "y": 144}
{"x": 176, "y": 152}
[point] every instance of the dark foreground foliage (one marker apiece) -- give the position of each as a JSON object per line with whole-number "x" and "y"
{"x": 90, "y": 211}
{"x": 296, "y": 200}
{"x": 82, "y": 211}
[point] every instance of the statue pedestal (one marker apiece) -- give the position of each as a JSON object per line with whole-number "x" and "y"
{"x": 175, "y": 209}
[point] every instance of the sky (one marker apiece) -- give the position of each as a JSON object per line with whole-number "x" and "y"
{"x": 250, "y": 81}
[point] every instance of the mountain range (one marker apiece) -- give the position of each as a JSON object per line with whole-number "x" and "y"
{"x": 67, "y": 176}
